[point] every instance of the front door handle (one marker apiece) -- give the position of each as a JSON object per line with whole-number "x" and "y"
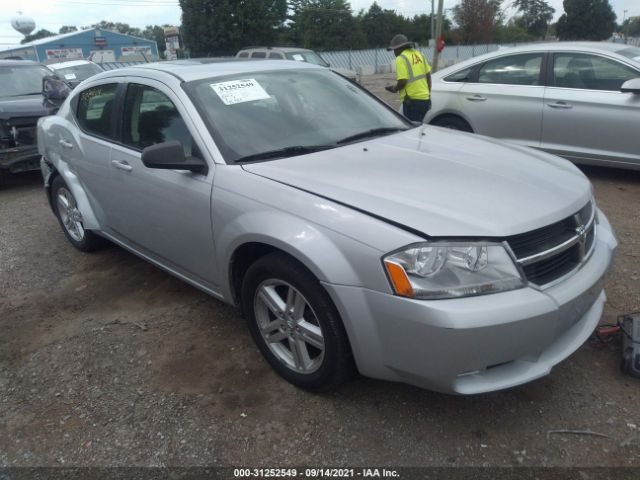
{"x": 65, "y": 143}
{"x": 477, "y": 98}
{"x": 562, "y": 105}
{"x": 121, "y": 165}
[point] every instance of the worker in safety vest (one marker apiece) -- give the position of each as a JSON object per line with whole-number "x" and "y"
{"x": 414, "y": 79}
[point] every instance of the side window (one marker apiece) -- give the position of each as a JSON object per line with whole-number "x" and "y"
{"x": 460, "y": 76}
{"x": 150, "y": 118}
{"x": 243, "y": 54}
{"x": 95, "y": 109}
{"x": 277, "y": 56}
{"x": 590, "y": 72}
{"x": 523, "y": 69}
{"x": 259, "y": 55}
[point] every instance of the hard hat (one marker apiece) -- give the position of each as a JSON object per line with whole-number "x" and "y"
{"x": 399, "y": 41}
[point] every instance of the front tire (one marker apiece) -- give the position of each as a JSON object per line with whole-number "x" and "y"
{"x": 70, "y": 218}
{"x": 295, "y": 324}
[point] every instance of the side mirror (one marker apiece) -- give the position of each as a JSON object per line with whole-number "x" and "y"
{"x": 170, "y": 156}
{"x": 631, "y": 86}
{"x": 54, "y": 90}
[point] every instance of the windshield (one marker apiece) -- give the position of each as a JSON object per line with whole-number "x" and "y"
{"x": 632, "y": 52}
{"x": 295, "y": 110}
{"x": 22, "y": 80}
{"x": 78, "y": 73}
{"x": 309, "y": 57}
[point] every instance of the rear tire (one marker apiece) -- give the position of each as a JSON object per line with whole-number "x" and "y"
{"x": 452, "y": 122}
{"x": 70, "y": 218}
{"x": 295, "y": 324}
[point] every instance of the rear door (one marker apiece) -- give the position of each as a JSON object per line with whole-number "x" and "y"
{"x": 87, "y": 150}
{"x": 504, "y": 100}
{"x": 586, "y": 117}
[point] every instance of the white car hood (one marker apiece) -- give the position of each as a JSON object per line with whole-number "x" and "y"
{"x": 440, "y": 182}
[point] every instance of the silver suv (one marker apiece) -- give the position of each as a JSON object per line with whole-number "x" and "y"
{"x": 351, "y": 238}
{"x": 295, "y": 54}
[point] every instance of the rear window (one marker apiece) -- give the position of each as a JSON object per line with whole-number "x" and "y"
{"x": 95, "y": 108}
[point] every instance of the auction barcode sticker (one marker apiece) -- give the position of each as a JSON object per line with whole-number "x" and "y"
{"x": 240, "y": 91}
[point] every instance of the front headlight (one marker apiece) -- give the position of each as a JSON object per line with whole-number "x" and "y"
{"x": 437, "y": 270}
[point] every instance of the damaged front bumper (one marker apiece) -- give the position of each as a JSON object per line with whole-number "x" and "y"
{"x": 23, "y": 158}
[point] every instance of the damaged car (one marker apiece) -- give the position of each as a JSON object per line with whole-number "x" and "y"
{"x": 21, "y": 105}
{"x": 351, "y": 239}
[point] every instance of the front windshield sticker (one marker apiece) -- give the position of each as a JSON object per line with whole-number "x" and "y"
{"x": 240, "y": 91}
{"x": 298, "y": 58}
{"x": 70, "y": 76}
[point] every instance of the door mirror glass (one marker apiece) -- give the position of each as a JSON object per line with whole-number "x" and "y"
{"x": 631, "y": 86}
{"x": 170, "y": 156}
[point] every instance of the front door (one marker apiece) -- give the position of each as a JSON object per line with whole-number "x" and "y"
{"x": 505, "y": 100}
{"x": 586, "y": 116}
{"x": 164, "y": 213}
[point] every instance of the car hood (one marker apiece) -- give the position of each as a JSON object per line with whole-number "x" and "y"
{"x": 440, "y": 182}
{"x": 23, "y": 106}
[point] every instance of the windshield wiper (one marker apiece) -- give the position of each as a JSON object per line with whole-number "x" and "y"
{"x": 24, "y": 94}
{"x": 374, "y": 132}
{"x": 284, "y": 152}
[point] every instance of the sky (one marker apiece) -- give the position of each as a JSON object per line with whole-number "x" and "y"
{"x": 52, "y": 14}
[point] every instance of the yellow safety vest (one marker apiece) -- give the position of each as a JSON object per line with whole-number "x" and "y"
{"x": 413, "y": 67}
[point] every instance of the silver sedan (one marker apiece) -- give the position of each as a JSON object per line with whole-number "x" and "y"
{"x": 580, "y": 100}
{"x": 352, "y": 239}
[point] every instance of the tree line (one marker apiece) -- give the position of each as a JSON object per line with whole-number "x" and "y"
{"x": 222, "y": 27}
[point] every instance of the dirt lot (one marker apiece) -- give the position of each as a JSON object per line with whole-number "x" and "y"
{"x": 107, "y": 361}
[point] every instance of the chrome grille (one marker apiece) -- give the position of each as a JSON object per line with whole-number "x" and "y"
{"x": 549, "y": 253}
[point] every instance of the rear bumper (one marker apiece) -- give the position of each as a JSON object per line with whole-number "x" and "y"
{"x": 20, "y": 159}
{"x": 476, "y": 344}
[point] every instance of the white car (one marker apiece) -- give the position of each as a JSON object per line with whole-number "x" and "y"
{"x": 75, "y": 71}
{"x": 349, "y": 236}
{"x": 579, "y": 100}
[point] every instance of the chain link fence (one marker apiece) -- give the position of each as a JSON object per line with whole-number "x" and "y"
{"x": 380, "y": 60}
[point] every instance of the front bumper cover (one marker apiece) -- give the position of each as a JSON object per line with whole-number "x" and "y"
{"x": 476, "y": 344}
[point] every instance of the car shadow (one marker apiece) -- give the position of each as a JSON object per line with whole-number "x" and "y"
{"x": 610, "y": 174}
{"x": 20, "y": 181}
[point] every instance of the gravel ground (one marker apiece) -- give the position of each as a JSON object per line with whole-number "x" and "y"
{"x": 107, "y": 361}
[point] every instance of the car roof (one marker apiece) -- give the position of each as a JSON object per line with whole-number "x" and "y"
{"x": 72, "y": 63}
{"x": 16, "y": 63}
{"x": 282, "y": 49}
{"x": 190, "y": 70}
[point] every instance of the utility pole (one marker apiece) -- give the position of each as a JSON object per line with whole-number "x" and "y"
{"x": 433, "y": 23}
{"x": 436, "y": 54}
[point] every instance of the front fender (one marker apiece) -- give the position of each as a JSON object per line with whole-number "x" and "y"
{"x": 319, "y": 250}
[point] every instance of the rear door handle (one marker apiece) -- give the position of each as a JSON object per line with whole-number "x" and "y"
{"x": 477, "y": 98}
{"x": 121, "y": 165}
{"x": 65, "y": 143}
{"x": 563, "y": 105}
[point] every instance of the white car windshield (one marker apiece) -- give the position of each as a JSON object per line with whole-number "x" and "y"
{"x": 632, "y": 52}
{"x": 264, "y": 115}
{"x": 79, "y": 72}
{"x": 22, "y": 80}
{"x": 305, "y": 56}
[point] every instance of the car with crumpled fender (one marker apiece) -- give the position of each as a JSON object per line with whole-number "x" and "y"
{"x": 352, "y": 239}
{"x": 21, "y": 104}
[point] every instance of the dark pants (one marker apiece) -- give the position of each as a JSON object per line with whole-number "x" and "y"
{"x": 415, "y": 109}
